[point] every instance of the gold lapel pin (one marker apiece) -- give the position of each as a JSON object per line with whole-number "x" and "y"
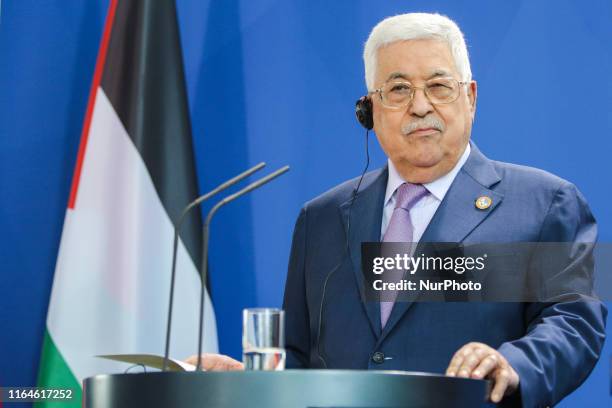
{"x": 483, "y": 202}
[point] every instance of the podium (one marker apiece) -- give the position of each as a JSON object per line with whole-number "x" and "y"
{"x": 283, "y": 389}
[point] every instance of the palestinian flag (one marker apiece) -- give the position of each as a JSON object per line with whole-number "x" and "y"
{"x": 134, "y": 174}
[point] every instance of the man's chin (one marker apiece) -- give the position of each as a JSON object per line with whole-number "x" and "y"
{"x": 424, "y": 136}
{"x": 424, "y": 159}
{"x": 421, "y": 169}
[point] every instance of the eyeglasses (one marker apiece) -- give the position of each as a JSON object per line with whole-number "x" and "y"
{"x": 398, "y": 94}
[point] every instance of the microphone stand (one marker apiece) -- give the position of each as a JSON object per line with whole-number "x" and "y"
{"x": 177, "y": 228}
{"x": 209, "y": 216}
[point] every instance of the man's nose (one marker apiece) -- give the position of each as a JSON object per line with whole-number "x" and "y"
{"x": 420, "y": 105}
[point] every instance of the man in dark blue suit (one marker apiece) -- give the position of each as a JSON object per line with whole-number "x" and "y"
{"x": 421, "y": 104}
{"x": 436, "y": 187}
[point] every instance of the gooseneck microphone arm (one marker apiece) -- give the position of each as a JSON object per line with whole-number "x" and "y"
{"x": 209, "y": 216}
{"x": 177, "y": 228}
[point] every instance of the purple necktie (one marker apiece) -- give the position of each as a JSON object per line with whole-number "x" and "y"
{"x": 400, "y": 228}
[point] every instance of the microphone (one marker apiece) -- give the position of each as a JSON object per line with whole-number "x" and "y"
{"x": 209, "y": 216}
{"x": 177, "y": 228}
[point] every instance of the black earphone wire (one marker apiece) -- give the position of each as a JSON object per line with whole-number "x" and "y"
{"x": 346, "y": 250}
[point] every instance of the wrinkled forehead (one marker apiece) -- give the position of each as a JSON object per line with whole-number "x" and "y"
{"x": 415, "y": 60}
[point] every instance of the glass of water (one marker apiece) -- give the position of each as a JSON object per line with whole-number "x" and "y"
{"x": 263, "y": 339}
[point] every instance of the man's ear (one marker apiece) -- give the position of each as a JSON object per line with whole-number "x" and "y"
{"x": 472, "y": 96}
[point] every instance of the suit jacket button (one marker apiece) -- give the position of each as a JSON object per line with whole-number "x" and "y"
{"x": 378, "y": 357}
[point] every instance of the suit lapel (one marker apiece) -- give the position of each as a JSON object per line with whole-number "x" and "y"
{"x": 457, "y": 214}
{"x": 363, "y": 221}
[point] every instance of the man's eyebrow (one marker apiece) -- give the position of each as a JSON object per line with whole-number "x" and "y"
{"x": 398, "y": 75}
{"x": 439, "y": 73}
{"x": 435, "y": 74}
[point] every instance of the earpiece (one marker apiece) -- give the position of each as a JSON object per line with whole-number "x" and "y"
{"x": 363, "y": 111}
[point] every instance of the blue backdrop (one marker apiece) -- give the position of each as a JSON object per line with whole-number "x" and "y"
{"x": 276, "y": 80}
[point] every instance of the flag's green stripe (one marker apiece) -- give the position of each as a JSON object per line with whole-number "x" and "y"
{"x": 55, "y": 373}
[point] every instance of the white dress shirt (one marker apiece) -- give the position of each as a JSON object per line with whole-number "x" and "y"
{"x": 423, "y": 210}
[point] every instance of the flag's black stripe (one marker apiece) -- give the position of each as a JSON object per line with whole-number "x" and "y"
{"x": 144, "y": 80}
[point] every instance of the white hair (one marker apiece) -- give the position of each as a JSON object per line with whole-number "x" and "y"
{"x": 416, "y": 26}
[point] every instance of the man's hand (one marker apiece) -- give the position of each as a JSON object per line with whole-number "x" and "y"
{"x": 216, "y": 362}
{"x": 477, "y": 360}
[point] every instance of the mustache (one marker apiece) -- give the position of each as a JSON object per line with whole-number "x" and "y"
{"x": 427, "y": 122}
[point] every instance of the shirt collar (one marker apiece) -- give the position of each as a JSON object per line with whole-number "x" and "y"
{"x": 437, "y": 188}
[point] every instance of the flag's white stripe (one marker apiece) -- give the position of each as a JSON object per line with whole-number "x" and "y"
{"x": 110, "y": 290}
